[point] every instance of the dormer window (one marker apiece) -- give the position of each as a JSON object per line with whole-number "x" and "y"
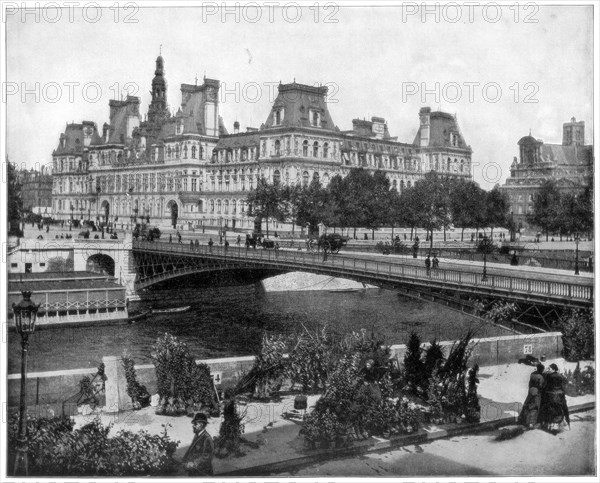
{"x": 179, "y": 128}
{"x": 278, "y": 118}
{"x": 315, "y": 118}
{"x": 454, "y": 139}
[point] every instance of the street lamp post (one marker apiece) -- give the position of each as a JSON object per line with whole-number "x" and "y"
{"x": 577, "y": 254}
{"x": 25, "y": 313}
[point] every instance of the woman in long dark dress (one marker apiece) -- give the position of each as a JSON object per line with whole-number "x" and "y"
{"x": 554, "y": 403}
{"x": 531, "y": 407}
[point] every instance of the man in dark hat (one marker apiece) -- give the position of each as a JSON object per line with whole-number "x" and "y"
{"x": 198, "y": 458}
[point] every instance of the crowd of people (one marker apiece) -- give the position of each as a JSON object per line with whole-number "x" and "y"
{"x": 545, "y": 405}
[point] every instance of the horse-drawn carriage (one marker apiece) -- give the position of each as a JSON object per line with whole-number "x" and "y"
{"x": 331, "y": 242}
{"x": 259, "y": 240}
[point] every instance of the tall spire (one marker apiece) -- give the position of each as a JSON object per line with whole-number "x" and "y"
{"x": 159, "y": 109}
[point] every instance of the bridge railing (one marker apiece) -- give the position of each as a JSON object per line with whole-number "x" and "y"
{"x": 297, "y": 259}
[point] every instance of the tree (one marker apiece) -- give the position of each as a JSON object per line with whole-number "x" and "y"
{"x": 356, "y": 186}
{"x": 15, "y": 201}
{"x": 378, "y": 202}
{"x": 267, "y": 201}
{"x": 546, "y": 207}
{"x": 467, "y": 206}
{"x": 432, "y": 204}
{"x": 311, "y": 204}
{"x": 497, "y": 209}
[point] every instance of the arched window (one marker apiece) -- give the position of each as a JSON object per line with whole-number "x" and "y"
{"x": 234, "y": 207}
{"x": 401, "y": 185}
{"x": 226, "y": 207}
{"x": 325, "y": 150}
{"x": 395, "y": 185}
{"x": 315, "y": 176}
{"x": 169, "y": 152}
{"x": 408, "y": 184}
{"x": 218, "y": 206}
{"x": 277, "y": 148}
{"x": 315, "y": 149}
{"x": 305, "y": 178}
{"x": 462, "y": 165}
{"x": 193, "y": 152}
{"x": 177, "y": 150}
{"x": 185, "y": 151}
{"x": 212, "y": 206}
{"x": 305, "y": 148}
{"x": 276, "y": 176}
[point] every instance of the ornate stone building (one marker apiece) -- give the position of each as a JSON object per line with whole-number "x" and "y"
{"x": 570, "y": 164}
{"x": 186, "y": 169}
{"x": 36, "y": 190}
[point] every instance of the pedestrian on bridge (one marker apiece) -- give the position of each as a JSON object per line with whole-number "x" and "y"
{"x": 239, "y": 240}
{"x": 192, "y": 244}
{"x": 436, "y": 262}
{"x": 210, "y": 244}
{"x": 197, "y": 243}
{"x": 170, "y": 238}
{"x": 428, "y": 265}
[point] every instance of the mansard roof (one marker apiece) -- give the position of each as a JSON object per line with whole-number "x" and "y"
{"x": 441, "y": 125}
{"x": 72, "y": 140}
{"x": 570, "y": 155}
{"x": 297, "y": 100}
{"x": 239, "y": 140}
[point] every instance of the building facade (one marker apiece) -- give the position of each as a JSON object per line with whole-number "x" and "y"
{"x": 570, "y": 164}
{"x": 186, "y": 170}
{"x": 36, "y": 190}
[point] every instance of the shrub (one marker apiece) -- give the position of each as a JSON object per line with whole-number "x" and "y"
{"x": 270, "y": 367}
{"x": 230, "y": 432}
{"x": 310, "y": 360}
{"x": 434, "y": 357}
{"x": 579, "y": 383}
{"x": 577, "y": 327}
{"x": 183, "y": 385}
{"x": 414, "y": 373}
{"x": 55, "y": 449}
{"x": 136, "y": 391}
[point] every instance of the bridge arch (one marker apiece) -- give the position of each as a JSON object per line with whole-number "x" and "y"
{"x": 100, "y": 263}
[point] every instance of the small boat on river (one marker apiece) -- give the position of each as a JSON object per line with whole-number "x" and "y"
{"x": 173, "y": 310}
{"x": 140, "y": 316}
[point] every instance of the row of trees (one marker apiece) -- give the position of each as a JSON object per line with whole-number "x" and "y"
{"x": 362, "y": 199}
{"x": 563, "y": 213}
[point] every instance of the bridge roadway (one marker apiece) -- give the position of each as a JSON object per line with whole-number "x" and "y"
{"x": 539, "y": 287}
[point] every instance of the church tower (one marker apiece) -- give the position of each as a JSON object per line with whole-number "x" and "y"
{"x": 159, "y": 109}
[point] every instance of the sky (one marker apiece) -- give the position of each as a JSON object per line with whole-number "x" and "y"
{"x": 502, "y": 72}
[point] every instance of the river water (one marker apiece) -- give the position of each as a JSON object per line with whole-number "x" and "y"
{"x": 228, "y": 321}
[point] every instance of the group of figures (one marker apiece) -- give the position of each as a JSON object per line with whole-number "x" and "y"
{"x": 546, "y": 404}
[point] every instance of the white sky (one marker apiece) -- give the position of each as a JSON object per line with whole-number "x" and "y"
{"x": 370, "y": 55}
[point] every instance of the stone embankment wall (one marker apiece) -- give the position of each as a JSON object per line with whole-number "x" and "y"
{"x": 48, "y": 390}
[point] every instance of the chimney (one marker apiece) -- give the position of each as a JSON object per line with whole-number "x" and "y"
{"x": 425, "y": 119}
{"x": 236, "y": 127}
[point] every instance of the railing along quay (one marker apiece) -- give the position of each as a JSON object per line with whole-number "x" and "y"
{"x": 542, "y": 287}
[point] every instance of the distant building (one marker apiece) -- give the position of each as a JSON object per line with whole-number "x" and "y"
{"x": 186, "y": 170}
{"x": 36, "y": 190}
{"x": 570, "y": 164}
